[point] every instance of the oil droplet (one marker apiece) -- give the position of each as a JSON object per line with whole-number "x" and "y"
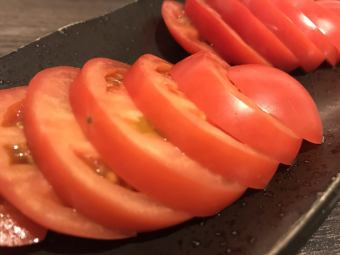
{"x": 306, "y": 161}
{"x": 251, "y": 239}
{"x": 268, "y": 193}
{"x": 234, "y": 233}
{"x": 243, "y": 203}
{"x": 114, "y": 81}
{"x": 196, "y": 243}
{"x": 202, "y": 223}
{"x": 2, "y": 82}
{"x": 218, "y": 234}
{"x": 228, "y": 251}
{"x": 223, "y": 243}
{"x": 279, "y": 205}
{"x": 281, "y": 214}
{"x": 19, "y": 154}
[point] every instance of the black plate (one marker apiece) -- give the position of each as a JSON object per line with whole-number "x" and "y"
{"x": 275, "y": 221}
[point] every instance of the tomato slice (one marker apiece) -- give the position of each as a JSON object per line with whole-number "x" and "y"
{"x": 181, "y": 28}
{"x": 16, "y": 229}
{"x": 224, "y": 39}
{"x": 327, "y": 21}
{"x": 73, "y": 166}
{"x": 185, "y": 126}
{"x": 205, "y": 82}
{"x": 20, "y": 179}
{"x": 332, "y": 5}
{"x": 255, "y": 33}
{"x": 142, "y": 157}
{"x": 308, "y": 27}
{"x": 309, "y": 56}
{"x": 280, "y": 95}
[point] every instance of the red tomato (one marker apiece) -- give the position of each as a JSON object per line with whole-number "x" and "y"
{"x": 308, "y": 27}
{"x": 142, "y": 157}
{"x": 257, "y": 35}
{"x": 280, "y": 95}
{"x": 20, "y": 180}
{"x": 185, "y": 126}
{"x": 73, "y": 166}
{"x": 309, "y": 56}
{"x": 181, "y": 28}
{"x": 332, "y": 5}
{"x": 224, "y": 39}
{"x": 205, "y": 82}
{"x": 16, "y": 229}
{"x": 327, "y": 21}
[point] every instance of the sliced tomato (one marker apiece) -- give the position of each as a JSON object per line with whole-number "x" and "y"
{"x": 280, "y": 95}
{"x": 224, "y": 39}
{"x": 73, "y": 166}
{"x": 16, "y": 229}
{"x": 332, "y": 5}
{"x": 307, "y": 26}
{"x": 182, "y": 29}
{"x": 180, "y": 121}
{"x": 309, "y": 56}
{"x": 141, "y": 156}
{"x": 327, "y": 21}
{"x": 22, "y": 184}
{"x": 255, "y": 33}
{"x": 205, "y": 82}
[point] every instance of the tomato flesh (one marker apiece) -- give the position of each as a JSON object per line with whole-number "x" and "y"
{"x": 183, "y": 124}
{"x": 255, "y": 33}
{"x": 309, "y": 56}
{"x": 143, "y": 158}
{"x": 74, "y": 167}
{"x": 278, "y": 94}
{"x": 307, "y": 26}
{"x": 224, "y": 39}
{"x": 205, "y": 82}
{"x": 327, "y": 21}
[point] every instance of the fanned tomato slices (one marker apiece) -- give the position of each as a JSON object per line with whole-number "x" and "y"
{"x": 205, "y": 82}
{"x": 307, "y": 26}
{"x": 326, "y": 21}
{"x": 180, "y": 121}
{"x": 20, "y": 179}
{"x": 140, "y": 155}
{"x": 278, "y": 94}
{"x": 224, "y": 39}
{"x": 73, "y": 166}
{"x": 255, "y": 33}
{"x": 309, "y": 56}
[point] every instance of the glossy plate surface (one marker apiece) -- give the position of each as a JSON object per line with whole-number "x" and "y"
{"x": 275, "y": 221}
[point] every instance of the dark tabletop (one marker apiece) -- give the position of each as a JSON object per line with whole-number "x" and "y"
{"x": 22, "y": 21}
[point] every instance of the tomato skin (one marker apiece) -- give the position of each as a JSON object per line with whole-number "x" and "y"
{"x": 232, "y": 111}
{"x": 270, "y": 88}
{"x": 184, "y": 125}
{"x": 255, "y": 33}
{"x": 158, "y": 168}
{"x": 327, "y": 21}
{"x": 308, "y": 27}
{"x": 11, "y": 220}
{"x": 213, "y": 29}
{"x": 59, "y": 153}
{"x": 181, "y": 28}
{"x": 308, "y": 55}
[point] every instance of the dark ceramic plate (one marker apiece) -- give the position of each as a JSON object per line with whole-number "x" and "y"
{"x": 276, "y": 221}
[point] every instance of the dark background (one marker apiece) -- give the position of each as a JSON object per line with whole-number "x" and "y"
{"x": 22, "y": 21}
